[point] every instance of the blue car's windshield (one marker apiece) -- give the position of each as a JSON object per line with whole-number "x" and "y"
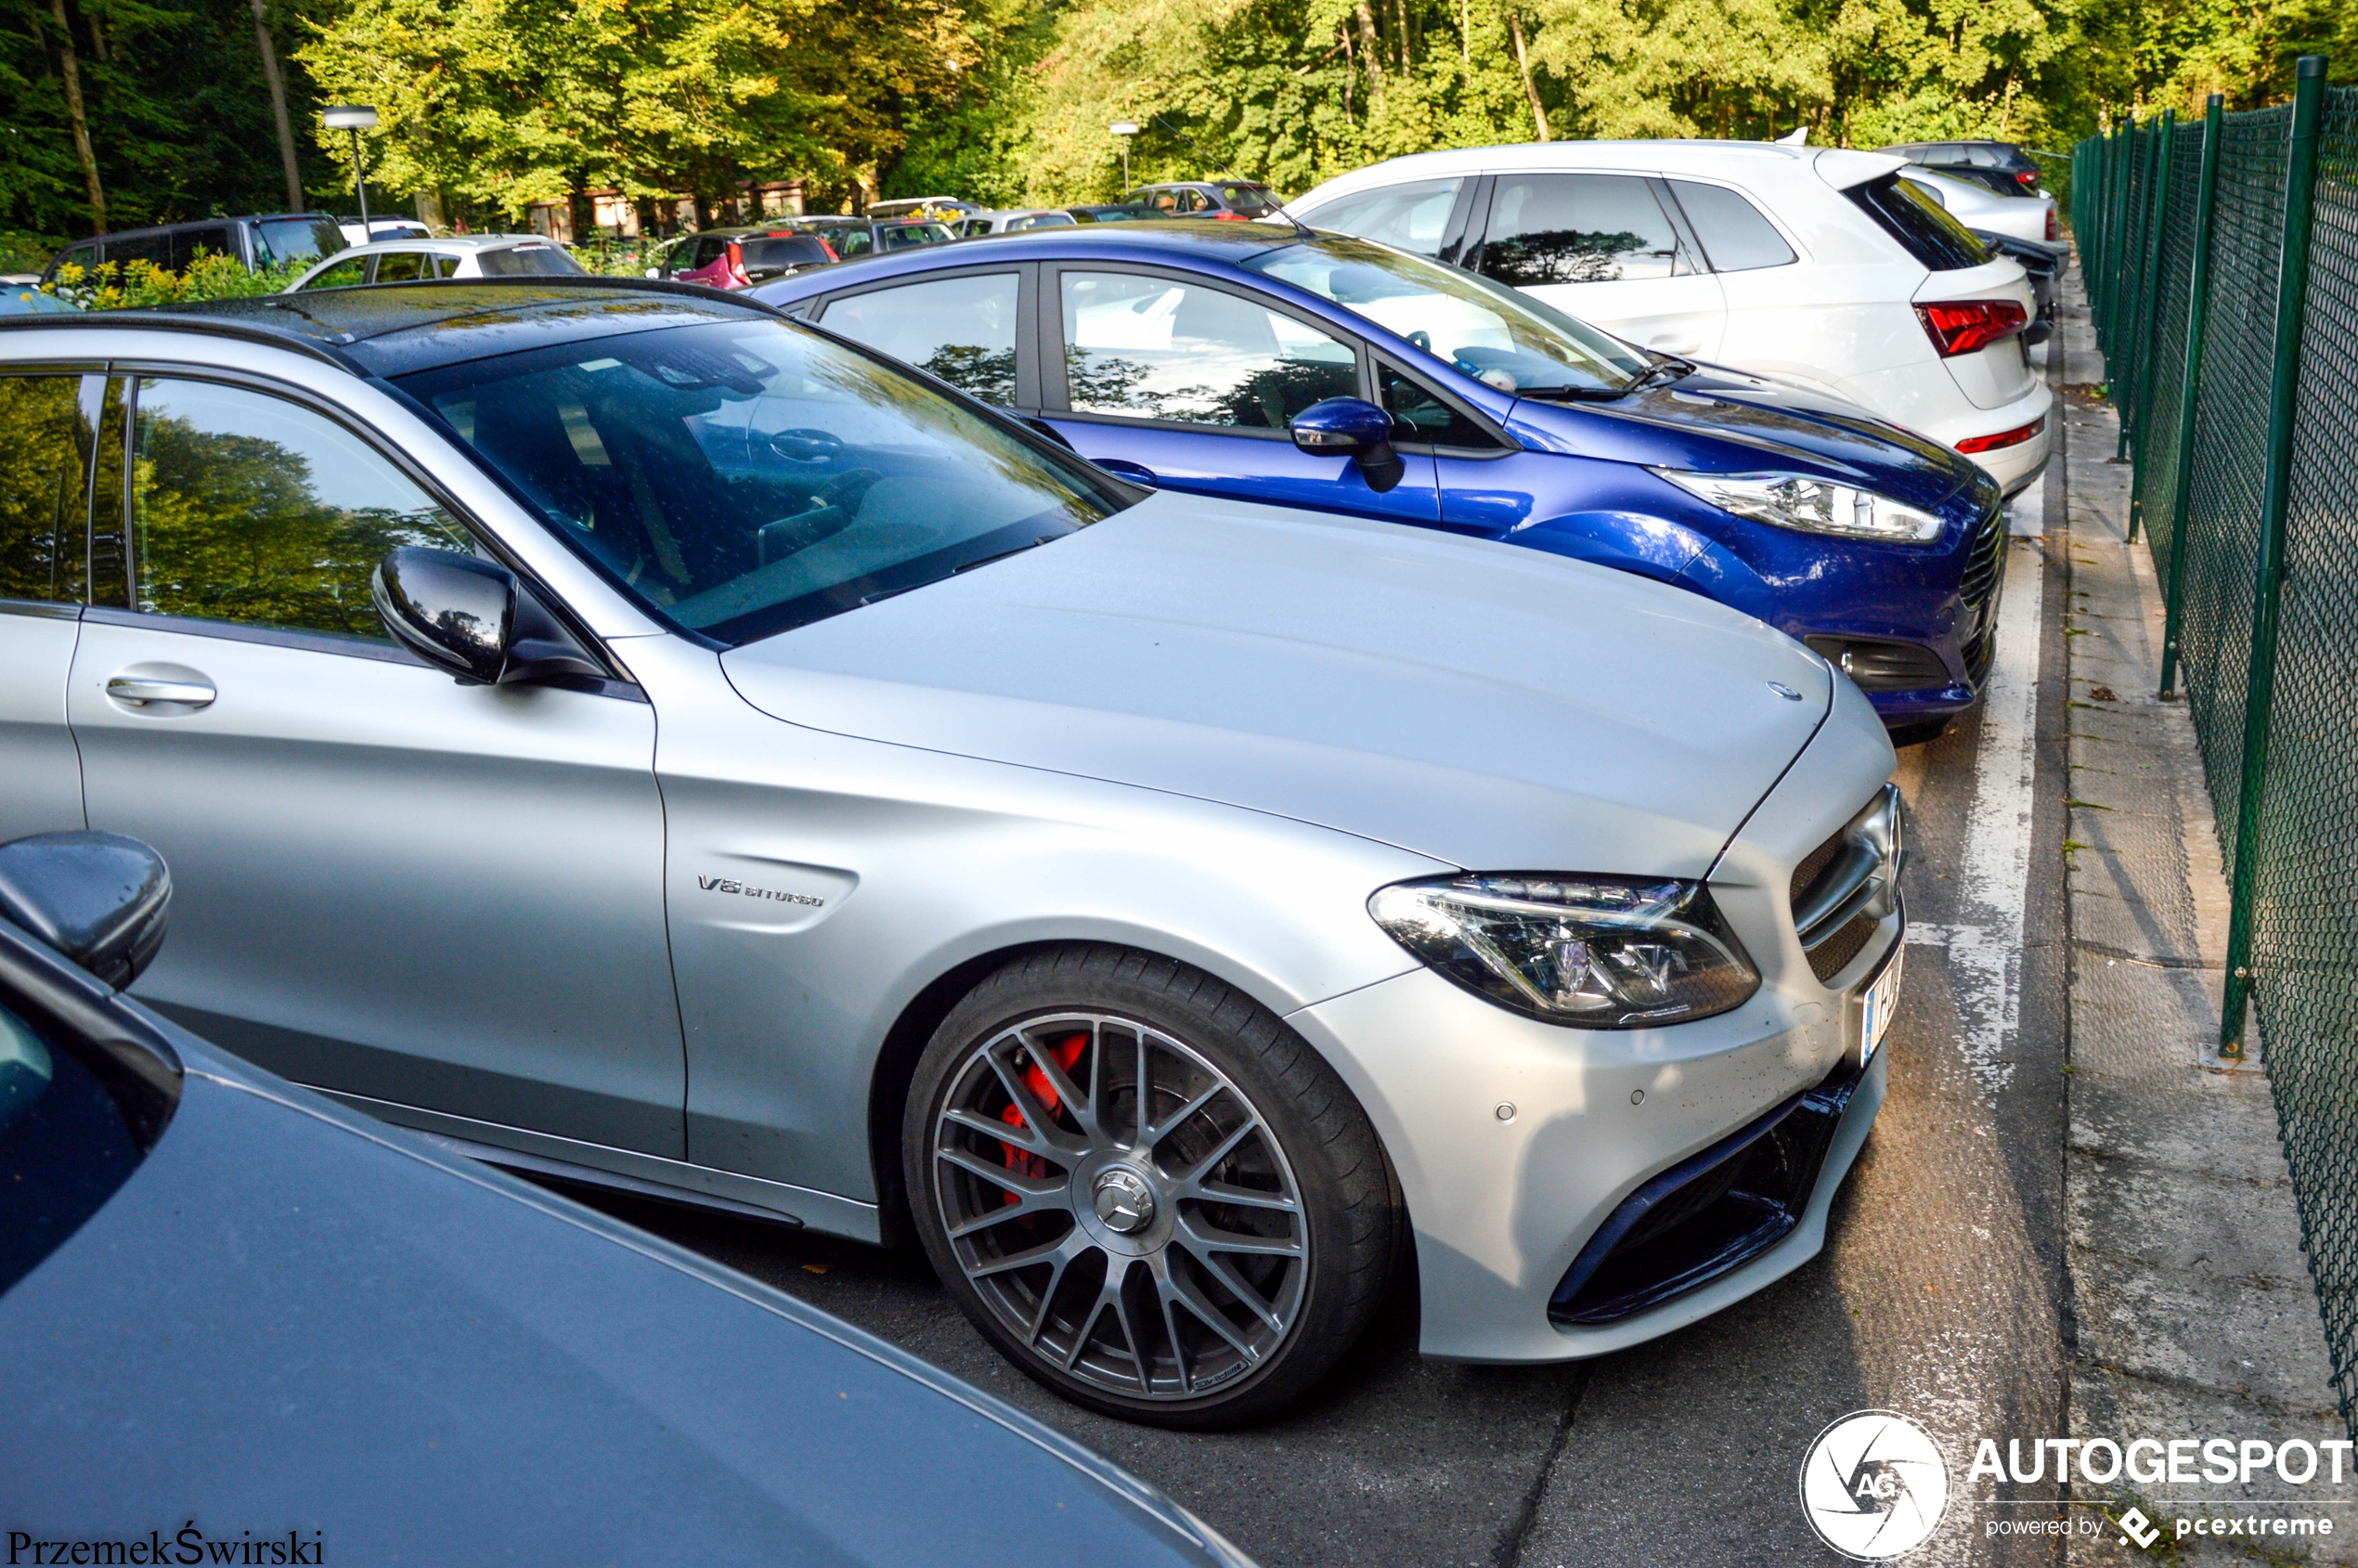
{"x": 744, "y": 477}
{"x": 1502, "y": 338}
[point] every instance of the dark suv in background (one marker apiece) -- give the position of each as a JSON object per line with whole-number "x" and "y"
{"x": 259, "y": 242}
{"x": 2000, "y": 165}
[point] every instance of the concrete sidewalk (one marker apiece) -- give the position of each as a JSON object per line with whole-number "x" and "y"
{"x": 2193, "y": 1310}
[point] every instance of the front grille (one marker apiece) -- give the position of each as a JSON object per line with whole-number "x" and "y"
{"x": 1707, "y": 1214}
{"x": 1980, "y": 586}
{"x": 1843, "y": 888}
{"x": 1829, "y": 957}
{"x": 1816, "y": 862}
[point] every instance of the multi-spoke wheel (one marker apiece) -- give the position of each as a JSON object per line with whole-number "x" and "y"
{"x": 1144, "y": 1188}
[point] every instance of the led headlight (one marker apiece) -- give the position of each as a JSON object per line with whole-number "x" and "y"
{"x": 1813, "y": 506}
{"x": 1599, "y": 951}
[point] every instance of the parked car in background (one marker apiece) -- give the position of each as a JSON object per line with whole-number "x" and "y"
{"x": 613, "y": 724}
{"x": 1814, "y": 266}
{"x": 461, "y": 255}
{"x": 738, "y": 258}
{"x": 1978, "y": 207}
{"x": 268, "y": 240}
{"x": 1233, "y": 199}
{"x": 1113, "y": 213}
{"x": 286, "y": 1316}
{"x": 2000, "y": 165}
{"x": 938, "y": 209}
{"x": 1013, "y": 221}
{"x": 860, "y": 237}
{"x": 358, "y": 233}
{"x": 1183, "y": 354}
{"x": 2042, "y": 263}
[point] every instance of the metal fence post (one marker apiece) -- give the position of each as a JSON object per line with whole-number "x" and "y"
{"x": 2197, "y": 313}
{"x": 2292, "y": 293}
{"x": 2118, "y": 346}
{"x": 2149, "y": 309}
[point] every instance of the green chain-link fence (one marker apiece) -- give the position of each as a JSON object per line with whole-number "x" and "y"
{"x": 2221, "y": 258}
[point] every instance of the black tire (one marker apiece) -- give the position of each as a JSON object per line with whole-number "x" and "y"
{"x": 1131, "y": 1334}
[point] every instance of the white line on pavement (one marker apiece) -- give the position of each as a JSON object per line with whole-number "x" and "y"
{"x": 1985, "y": 954}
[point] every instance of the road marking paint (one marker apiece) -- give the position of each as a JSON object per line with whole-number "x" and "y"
{"x": 2026, "y": 513}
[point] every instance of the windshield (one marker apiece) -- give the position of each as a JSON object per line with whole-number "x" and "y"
{"x": 66, "y": 1145}
{"x": 1500, "y": 337}
{"x": 742, "y": 478}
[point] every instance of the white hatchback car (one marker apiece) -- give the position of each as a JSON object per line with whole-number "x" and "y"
{"x": 2026, "y": 216}
{"x": 422, "y": 261}
{"x": 1816, "y": 267}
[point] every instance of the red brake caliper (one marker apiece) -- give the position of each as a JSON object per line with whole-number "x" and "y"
{"x": 1067, "y": 1053}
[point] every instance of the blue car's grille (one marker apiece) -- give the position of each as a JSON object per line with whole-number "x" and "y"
{"x": 1979, "y": 591}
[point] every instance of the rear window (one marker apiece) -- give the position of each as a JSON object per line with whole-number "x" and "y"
{"x": 1922, "y": 226}
{"x": 527, "y": 261}
{"x": 1253, "y": 200}
{"x": 286, "y": 240}
{"x": 786, "y": 249}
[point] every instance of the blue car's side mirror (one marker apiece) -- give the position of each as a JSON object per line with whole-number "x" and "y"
{"x": 1355, "y": 428}
{"x": 100, "y": 899}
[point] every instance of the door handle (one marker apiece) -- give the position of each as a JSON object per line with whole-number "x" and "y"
{"x": 139, "y": 690}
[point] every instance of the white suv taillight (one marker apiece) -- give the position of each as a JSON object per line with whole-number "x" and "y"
{"x": 1968, "y": 326}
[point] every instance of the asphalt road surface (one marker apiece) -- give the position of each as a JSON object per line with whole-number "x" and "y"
{"x": 1940, "y": 1293}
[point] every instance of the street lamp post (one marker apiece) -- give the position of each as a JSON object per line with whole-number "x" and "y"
{"x": 355, "y": 118}
{"x": 1125, "y": 129}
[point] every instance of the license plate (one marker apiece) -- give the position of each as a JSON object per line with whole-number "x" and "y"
{"x": 1883, "y": 999}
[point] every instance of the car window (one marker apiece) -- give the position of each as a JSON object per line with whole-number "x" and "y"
{"x": 1249, "y": 201}
{"x": 1735, "y": 237}
{"x": 153, "y": 248}
{"x": 785, "y": 249}
{"x": 741, "y": 478}
{"x": 84, "y": 256}
{"x": 527, "y": 261}
{"x": 854, "y": 242}
{"x": 1909, "y": 213}
{"x": 214, "y": 240}
{"x": 343, "y": 275}
{"x": 1159, "y": 349}
{"x": 250, "y": 509}
{"x": 1578, "y": 228}
{"x": 43, "y": 486}
{"x": 403, "y": 267}
{"x": 445, "y": 267}
{"x": 960, "y": 329}
{"x": 1043, "y": 220}
{"x": 66, "y": 1145}
{"x": 1489, "y": 331}
{"x": 1408, "y": 217}
{"x": 908, "y": 236}
{"x": 286, "y": 240}
{"x": 1418, "y": 415}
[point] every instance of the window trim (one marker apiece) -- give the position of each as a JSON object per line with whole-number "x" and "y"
{"x": 129, "y": 371}
{"x": 1027, "y": 319}
{"x": 1056, "y": 393}
{"x": 1507, "y": 446}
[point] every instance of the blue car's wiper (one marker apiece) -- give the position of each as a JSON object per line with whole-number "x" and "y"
{"x": 1572, "y": 394}
{"x": 1661, "y": 372}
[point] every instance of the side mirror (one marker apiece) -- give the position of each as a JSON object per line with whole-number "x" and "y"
{"x": 100, "y": 899}
{"x": 1355, "y": 428}
{"x": 474, "y": 619}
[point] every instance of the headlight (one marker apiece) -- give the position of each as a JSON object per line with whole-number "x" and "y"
{"x": 1813, "y": 506}
{"x": 1566, "y": 948}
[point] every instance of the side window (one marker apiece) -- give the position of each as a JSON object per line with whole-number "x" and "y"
{"x": 1734, "y": 235}
{"x": 1159, "y": 349}
{"x": 155, "y": 249}
{"x": 44, "y": 447}
{"x": 960, "y": 329}
{"x": 248, "y": 508}
{"x": 343, "y": 275}
{"x": 1420, "y": 417}
{"x": 855, "y": 242}
{"x": 1408, "y": 217}
{"x": 187, "y": 244}
{"x": 445, "y": 267}
{"x": 1578, "y": 228}
{"x": 402, "y": 267}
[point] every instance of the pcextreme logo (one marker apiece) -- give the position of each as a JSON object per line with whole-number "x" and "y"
{"x": 1873, "y": 1485}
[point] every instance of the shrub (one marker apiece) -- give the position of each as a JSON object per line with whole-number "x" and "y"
{"x": 131, "y": 285}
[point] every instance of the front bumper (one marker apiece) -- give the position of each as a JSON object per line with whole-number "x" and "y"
{"x": 1515, "y": 1140}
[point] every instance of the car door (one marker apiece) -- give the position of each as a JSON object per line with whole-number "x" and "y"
{"x": 47, "y": 429}
{"x": 1198, "y": 385}
{"x": 1603, "y": 248}
{"x": 386, "y": 883}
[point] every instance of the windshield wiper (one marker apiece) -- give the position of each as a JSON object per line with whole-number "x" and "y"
{"x": 1669, "y": 368}
{"x": 1572, "y": 394}
{"x": 999, "y": 556}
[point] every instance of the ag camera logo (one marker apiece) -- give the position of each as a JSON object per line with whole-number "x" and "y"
{"x": 1875, "y": 1485}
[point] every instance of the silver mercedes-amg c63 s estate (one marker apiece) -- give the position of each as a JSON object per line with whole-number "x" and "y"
{"x": 641, "y": 739}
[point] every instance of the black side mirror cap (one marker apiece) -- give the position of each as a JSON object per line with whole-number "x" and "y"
{"x": 100, "y": 899}
{"x": 1356, "y": 427}
{"x": 472, "y": 618}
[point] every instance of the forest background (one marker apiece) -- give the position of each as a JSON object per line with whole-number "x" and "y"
{"x": 116, "y": 113}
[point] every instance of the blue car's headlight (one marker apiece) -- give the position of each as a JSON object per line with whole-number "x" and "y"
{"x": 1599, "y": 951}
{"x": 1813, "y": 506}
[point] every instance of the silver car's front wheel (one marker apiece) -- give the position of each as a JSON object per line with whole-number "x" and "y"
{"x": 1117, "y": 1192}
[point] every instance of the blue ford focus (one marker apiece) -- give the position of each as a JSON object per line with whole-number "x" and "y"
{"x": 1318, "y": 370}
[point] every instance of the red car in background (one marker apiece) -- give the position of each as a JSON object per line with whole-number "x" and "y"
{"x": 738, "y": 258}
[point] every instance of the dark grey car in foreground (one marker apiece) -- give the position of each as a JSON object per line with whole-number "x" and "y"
{"x": 234, "y": 1313}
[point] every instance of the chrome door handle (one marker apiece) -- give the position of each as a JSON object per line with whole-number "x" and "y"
{"x": 141, "y": 690}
